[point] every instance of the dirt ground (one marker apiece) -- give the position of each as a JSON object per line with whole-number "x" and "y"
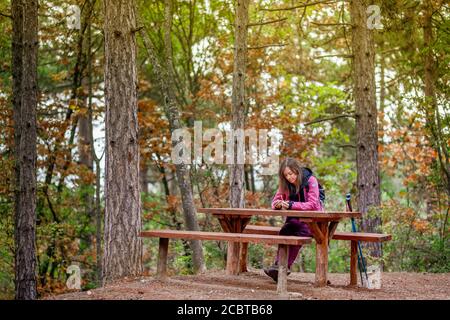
{"x": 255, "y": 285}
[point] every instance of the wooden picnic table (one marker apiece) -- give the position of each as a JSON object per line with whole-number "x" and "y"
{"x": 322, "y": 224}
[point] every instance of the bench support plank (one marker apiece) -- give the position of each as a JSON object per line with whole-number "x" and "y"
{"x": 315, "y": 228}
{"x": 162, "y": 258}
{"x": 234, "y": 225}
{"x": 332, "y": 230}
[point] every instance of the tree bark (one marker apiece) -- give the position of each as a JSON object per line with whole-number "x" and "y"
{"x": 165, "y": 76}
{"x": 97, "y": 211}
{"x": 84, "y": 142}
{"x": 122, "y": 244}
{"x": 383, "y": 93}
{"x": 238, "y": 108}
{"x": 237, "y": 175}
{"x": 25, "y": 98}
{"x": 85, "y": 145}
{"x": 368, "y": 178}
{"x": 252, "y": 178}
{"x": 247, "y": 179}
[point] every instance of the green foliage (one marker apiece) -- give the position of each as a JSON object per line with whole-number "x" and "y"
{"x": 339, "y": 257}
{"x": 6, "y": 251}
{"x": 416, "y": 244}
{"x": 181, "y": 257}
{"x": 214, "y": 255}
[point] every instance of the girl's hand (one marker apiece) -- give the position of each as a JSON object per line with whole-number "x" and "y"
{"x": 277, "y": 204}
{"x": 285, "y": 205}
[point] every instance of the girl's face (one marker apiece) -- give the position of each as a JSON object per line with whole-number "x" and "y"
{"x": 290, "y": 175}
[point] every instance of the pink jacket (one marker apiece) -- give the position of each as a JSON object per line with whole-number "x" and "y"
{"x": 312, "y": 197}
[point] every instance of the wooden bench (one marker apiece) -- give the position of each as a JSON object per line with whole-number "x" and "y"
{"x": 282, "y": 241}
{"x": 353, "y": 237}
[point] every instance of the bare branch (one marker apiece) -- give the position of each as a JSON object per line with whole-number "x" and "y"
{"x": 267, "y": 46}
{"x": 303, "y": 5}
{"x": 332, "y": 24}
{"x": 265, "y": 22}
{"x": 137, "y": 29}
{"x": 346, "y": 146}
{"x": 350, "y": 115}
{"x": 391, "y": 50}
{"x": 334, "y": 55}
{"x": 6, "y": 15}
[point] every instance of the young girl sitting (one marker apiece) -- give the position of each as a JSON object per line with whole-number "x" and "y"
{"x": 293, "y": 195}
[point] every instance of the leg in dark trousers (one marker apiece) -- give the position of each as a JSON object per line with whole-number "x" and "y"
{"x": 294, "y": 227}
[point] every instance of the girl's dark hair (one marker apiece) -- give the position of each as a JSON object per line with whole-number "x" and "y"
{"x": 295, "y": 167}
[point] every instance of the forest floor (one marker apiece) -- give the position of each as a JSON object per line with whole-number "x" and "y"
{"x": 256, "y": 285}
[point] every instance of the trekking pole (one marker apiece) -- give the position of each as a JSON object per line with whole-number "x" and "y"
{"x": 361, "y": 260}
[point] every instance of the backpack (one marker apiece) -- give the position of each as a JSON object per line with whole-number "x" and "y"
{"x": 306, "y": 186}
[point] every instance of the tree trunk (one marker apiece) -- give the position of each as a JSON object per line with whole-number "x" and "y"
{"x": 433, "y": 118}
{"x": 97, "y": 211}
{"x": 122, "y": 244}
{"x": 237, "y": 180}
{"x": 85, "y": 153}
{"x": 172, "y": 210}
{"x": 182, "y": 170}
{"x": 238, "y": 109}
{"x": 25, "y": 97}
{"x": 247, "y": 179}
{"x": 84, "y": 142}
{"x": 252, "y": 178}
{"x": 368, "y": 178}
{"x": 84, "y": 138}
{"x": 381, "y": 127}
{"x": 165, "y": 76}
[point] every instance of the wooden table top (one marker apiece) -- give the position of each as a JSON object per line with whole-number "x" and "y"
{"x": 319, "y": 215}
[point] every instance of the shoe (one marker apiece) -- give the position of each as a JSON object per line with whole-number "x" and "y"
{"x": 272, "y": 272}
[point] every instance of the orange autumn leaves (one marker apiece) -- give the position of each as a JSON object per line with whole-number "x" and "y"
{"x": 397, "y": 215}
{"x": 409, "y": 151}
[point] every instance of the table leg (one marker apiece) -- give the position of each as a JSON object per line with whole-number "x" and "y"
{"x": 233, "y": 258}
{"x": 162, "y": 258}
{"x": 243, "y": 257}
{"x": 235, "y": 224}
{"x": 322, "y": 255}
